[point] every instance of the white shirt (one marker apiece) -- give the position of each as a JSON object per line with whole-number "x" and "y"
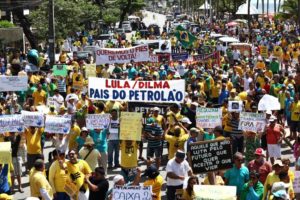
{"x": 181, "y": 169}
{"x": 58, "y": 101}
{"x": 247, "y": 81}
{"x": 62, "y": 145}
{"x": 236, "y": 55}
{"x": 114, "y": 130}
{"x": 180, "y": 69}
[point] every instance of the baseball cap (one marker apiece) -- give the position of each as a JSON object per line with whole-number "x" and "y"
{"x": 186, "y": 120}
{"x": 194, "y": 130}
{"x": 117, "y": 178}
{"x": 279, "y": 190}
{"x": 269, "y": 112}
{"x": 260, "y": 152}
{"x": 278, "y": 162}
{"x": 84, "y": 129}
{"x": 218, "y": 129}
{"x": 272, "y": 119}
{"x": 156, "y": 109}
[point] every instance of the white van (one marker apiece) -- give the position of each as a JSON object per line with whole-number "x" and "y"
{"x": 225, "y": 41}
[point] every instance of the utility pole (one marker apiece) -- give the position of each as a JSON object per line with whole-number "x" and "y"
{"x": 51, "y": 38}
{"x": 210, "y": 12}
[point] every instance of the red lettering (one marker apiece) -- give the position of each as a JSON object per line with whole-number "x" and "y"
{"x": 166, "y": 85}
{"x": 107, "y": 84}
{"x": 126, "y": 84}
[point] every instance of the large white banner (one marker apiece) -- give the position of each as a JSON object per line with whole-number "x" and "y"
{"x": 97, "y": 121}
{"x": 138, "y": 53}
{"x": 137, "y": 91}
{"x": 255, "y": 122}
{"x": 11, "y": 123}
{"x": 132, "y": 192}
{"x": 13, "y": 83}
{"x": 58, "y": 124}
{"x": 35, "y": 119}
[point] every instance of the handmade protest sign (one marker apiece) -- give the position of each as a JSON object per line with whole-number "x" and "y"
{"x": 90, "y": 70}
{"x": 131, "y": 126}
{"x": 138, "y": 53}
{"x": 58, "y": 124}
{"x": 208, "y": 117}
{"x": 35, "y": 119}
{"x": 214, "y": 192}
{"x": 210, "y": 155}
{"x": 11, "y": 123}
{"x": 60, "y": 70}
{"x": 97, "y": 121}
{"x": 296, "y": 183}
{"x": 235, "y": 106}
{"x": 5, "y": 152}
{"x": 137, "y": 91}
{"x": 132, "y": 192}
{"x": 13, "y": 83}
{"x": 263, "y": 51}
{"x": 255, "y": 122}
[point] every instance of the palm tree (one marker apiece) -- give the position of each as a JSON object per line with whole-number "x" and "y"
{"x": 267, "y": 7}
{"x": 249, "y": 20}
{"x": 275, "y": 7}
{"x": 291, "y": 10}
{"x": 263, "y": 6}
{"x": 278, "y": 6}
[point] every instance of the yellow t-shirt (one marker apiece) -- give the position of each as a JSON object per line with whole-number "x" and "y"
{"x": 186, "y": 196}
{"x": 78, "y": 172}
{"x": 269, "y": 74}
{"x": 33, "y": 141}
{"x": 243, "y": 95}
{"x": 219, "y": 179}
{"x": 271, "y": 178}
{"x": 171, "y": 119}
{"x": 261, "y": 81}
{"x": 74, "y": 133}
{"x": 229, "y": 85}
{"x": 156, "y": 186}
{"x": 295, "y": 108}
{"x": 129, "y": 154}
{"x": 39, "y": 97}
{"x": 159, "y": 119}
{"x": 175, "y": 143}
{"x": 260, "y": 65}
{"x": 38, "y": 181}
{"x": 215, "y": 91}
{"x": 113, "y": 105}
{"x": 57, "y": 177}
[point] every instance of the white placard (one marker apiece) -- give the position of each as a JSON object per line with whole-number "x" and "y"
{"x": 97, "y": 121}
{"x": 255, "y": 122}
{"x": 132, "y": 192}
{"x": 208, "y": 117}
{"x": 235, "y": 106}
{"x": 13, "y": 83}
{"x": 137, "y": 91}
{"x": 11, "y": 123}
{"x": 35, "y": 119}
{"x": 296, "y": 183}
{"x": 58, "y": 124}
{"x": 138, "y": 53}
{"x": 214, "y": 192}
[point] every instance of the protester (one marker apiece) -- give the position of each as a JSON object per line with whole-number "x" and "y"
{"x": 254, "y": 189}
{"x": 155, "y": 180}
{"x": 97, "y": 184}
{"x": 90, "y": 154}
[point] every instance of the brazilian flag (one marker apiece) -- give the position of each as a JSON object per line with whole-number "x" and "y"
{"x": 185, "y": 37}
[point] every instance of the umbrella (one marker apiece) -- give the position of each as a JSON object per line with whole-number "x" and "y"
{"x": 241, "y": 21}
{"x": 268, "y": 102}
{"x": 233, "y": 23}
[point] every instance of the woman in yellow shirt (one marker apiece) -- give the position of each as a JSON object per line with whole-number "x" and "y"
{"x": 188, "y": 193}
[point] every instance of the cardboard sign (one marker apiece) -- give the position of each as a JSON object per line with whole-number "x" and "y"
{"x": 131, "y": 126}
{"x": 208, "y": 117}
{"x": 296, "y": 183}
{"x": 97, "y": 121}
{"x": 60, "y": 70}
{"x": 263, "y": 51}
{"x": 90, "y": 70}
{"x": 13, "y": 83}
{"x": 132, "y": 192}
{"x": 58, "y": 124}
{"x": 138, "y": 53}
{"x": 35, "y": 119}
{"x": 235, "y": 106}
{"x": 11, "y": 123}
{"x": 255, "y": 122}
{"x": 5, "y": 152}
{"x": 137, "y": 91}
{"x": 180, "y": 56}
{"x": 210, "y": 155}
{"x": 214, "y": 192}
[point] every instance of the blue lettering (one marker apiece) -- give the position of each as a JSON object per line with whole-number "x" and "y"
{"x": 171, "y": 96}
{"x": 122, "y": 94}
{"x": 115, "y": 94}
{"x": 92, "y": 91}
{"x": 157, "y": 95}
{"x": 97, "y": 95}
{"x": 131, "y": 94}
{"x": 163, "y": 96}
{"x": 179, "y": 96}
{"x": 143, "y": 94}
{"x": 106, "y": 94}
{"x": 150, "y": 96}
{"x": 136, "y": 95}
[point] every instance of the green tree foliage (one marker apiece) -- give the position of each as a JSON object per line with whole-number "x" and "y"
{"x": 70, "y": 16}
{"x": 290, "y": 10}
{"x": 230, "y": 6}
{"x": 6, "y": 24}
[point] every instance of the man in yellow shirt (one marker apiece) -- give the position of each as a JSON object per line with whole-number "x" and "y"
{"x": 155, "y": 180}
{"x": 272, "y": 178}
{"x": 295, "y": 116}
{"x": 129, "y": 154}
{"x": 33, "y": 141}
{"x": 74, "y": 133}
{"x": 58, "y": 176}
{"x": 39, "y": 96}
{"x": 39, "y": 186}
{"x": 176, "y": 141}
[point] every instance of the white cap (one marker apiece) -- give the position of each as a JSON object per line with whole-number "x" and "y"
{"x": 269, "y": 112}
{"x": 195, "y": 104}
{"x": 117, "y": 178}
{"x": 186, "y": 120}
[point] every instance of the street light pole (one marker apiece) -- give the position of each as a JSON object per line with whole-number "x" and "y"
{"x": 51, "y": 37}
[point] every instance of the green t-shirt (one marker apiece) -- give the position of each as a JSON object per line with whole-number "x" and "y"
{"x": 274, "y": 67}
{"x": 207, "y": 136}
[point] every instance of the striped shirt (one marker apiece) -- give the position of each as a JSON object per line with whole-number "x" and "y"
{"x": 61, "y": 85}
{"x": 154, "y": 131}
